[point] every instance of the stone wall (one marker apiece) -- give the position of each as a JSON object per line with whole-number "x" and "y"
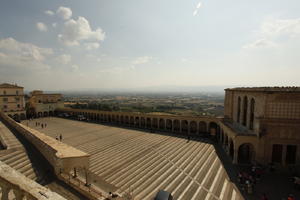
{"x": 61, "y": 156}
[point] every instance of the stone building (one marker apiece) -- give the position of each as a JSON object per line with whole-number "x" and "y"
{"x": 262, "y": 124}
{"x": 12, "y": 101}
{"x": 41, "y": 104}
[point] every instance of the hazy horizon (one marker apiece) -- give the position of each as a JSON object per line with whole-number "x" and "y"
{"x": 149, "y": 45}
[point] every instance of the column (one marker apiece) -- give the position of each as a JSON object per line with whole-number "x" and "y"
{"x": 19, "y": 194}
{"x": 283, "y": 155}
{"x": 5, "y": 191}
{"x": 235, "y": 156}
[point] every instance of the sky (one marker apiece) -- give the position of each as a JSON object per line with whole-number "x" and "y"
{"x": 100, "y": 44}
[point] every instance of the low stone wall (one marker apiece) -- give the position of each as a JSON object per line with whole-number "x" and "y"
{"x": 22, "y": 186}
{"x": 61, "y": 156}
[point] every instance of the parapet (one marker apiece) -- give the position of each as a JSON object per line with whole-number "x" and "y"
{"x": 61, "y": 156}
{"x": 22, "y": 186}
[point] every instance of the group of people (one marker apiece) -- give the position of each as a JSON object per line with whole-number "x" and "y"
{"x": 43, "y": 125}
{"x": 248, "y": 180}
{"x": 59, "y": 137}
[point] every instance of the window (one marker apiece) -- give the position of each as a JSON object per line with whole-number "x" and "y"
{"x": 17, "y": 92}
{"x": 252, "y": 104}
{"x": 245, "y": 110}
{"x": 4, "y": 106}
{"x": 17, "y": 99}
{"x": 239, "y": 110}
{"x": 4, "y": 92}
{"x": 5, "y": 99}
{"x": 19, "y": 106}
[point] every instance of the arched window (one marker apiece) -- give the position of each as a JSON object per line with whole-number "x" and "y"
{"x": 238, "y": 110}
{"x": 245, "y": 106}
{"x": 252, "y": 104}
{"x": 4, "y": 92}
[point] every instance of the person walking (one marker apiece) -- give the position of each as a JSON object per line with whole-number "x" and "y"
{"x": 60, "y": 137}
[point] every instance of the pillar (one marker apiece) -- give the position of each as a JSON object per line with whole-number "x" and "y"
{"x": 283, "y": 155}
{"x": 18, "y": 194}
{"x": 235, "y": 156}
{"x": 5, "y": 190}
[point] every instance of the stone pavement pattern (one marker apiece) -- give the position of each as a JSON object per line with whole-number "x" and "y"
{"x": 143, "y": 163}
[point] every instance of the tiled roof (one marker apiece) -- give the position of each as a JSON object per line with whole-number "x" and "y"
{"x": 265, "y": 89}
{"x": 7, "y": 85}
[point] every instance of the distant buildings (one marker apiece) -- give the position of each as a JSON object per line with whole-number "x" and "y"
{"x": 262, "y": 124}
{"x": 43, "y": 105}
{"x": 12, "y": 101}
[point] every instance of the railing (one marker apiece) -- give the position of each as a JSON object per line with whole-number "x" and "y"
{"x": 81, "y": 186}
{"x": 15, "y": 185}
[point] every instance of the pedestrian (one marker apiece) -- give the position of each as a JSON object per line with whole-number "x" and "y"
{"x": 42, "y": 125}
{"x": 60, "y": 137}
{"x": 45, "y": 125}
{"x": 56, "y": 138}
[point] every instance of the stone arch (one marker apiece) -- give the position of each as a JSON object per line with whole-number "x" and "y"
{"x": 148, "y": 122}
{"x": 113, "y": 118}
{"x": 40, "y": 114}
{"x": 213, "y": 128}
{"x": 137, "y": 121}
{"x": 102, "y": 117}
{"x": 202, "y": 127}
{"x": 246, "y": 153}
{"x": 51, "y": 113}
{"x": 161, "y": 124}
{"x": 245, "y": 108}
{"x": 118, "y": 119}
{"x": 184, "y": 126}
{"x": 169, "y": 124}
{"x": 45, "y": 114}
{"x": 122, "y": 119}
{"x": 126, "y": 120}
{"x": 109, "y": 118}
{"x": 176, "y": 125}
{"x": 155, "y": 123}
{"x": 131, "y": 121}
{"x": 238, "y": 110}
{"x": 143, "y": 122}
{"x": 193, "y": 127}
{"x": 252, "y": 104}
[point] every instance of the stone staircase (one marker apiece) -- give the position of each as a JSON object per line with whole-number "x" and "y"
{"x": 143, "y": 163}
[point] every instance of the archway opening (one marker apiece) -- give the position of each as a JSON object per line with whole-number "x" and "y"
{"x": 193, "y": 127}
{"x": 162, "y": 124}
{"x": 169, "y": 124}
{"x": 176, "y": 125}
{"x": 245, "y": 153}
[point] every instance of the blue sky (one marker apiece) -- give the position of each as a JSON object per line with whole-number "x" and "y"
{"x": 54, "y": 45}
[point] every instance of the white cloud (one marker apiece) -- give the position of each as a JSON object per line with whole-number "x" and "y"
{"x": 197, "y": 9}
{"x": 76, "y": 31}
{"x": 277, "y": 27}
{"x": 24, "y": 51}
{"x": 92, "y": 45}
{"x": 49, "y": 12}
{"x": 274, "y": 32}
{"x": 141, "y": 60}
{"x": 22, "y": 55}
{"x": 41, "y": 27}
{"x": 260, "y": 43}
{"x": 64, "y": 12}
{"x": 64, "y": 59}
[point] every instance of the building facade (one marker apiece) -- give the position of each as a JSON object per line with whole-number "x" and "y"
{"x": 43, "y": 105}
{"x": 12, "y": 101}
{"x": 262, "y": 124}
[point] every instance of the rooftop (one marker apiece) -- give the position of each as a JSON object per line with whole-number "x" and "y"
{"x": 266, "y": 89}
{"x": 7, "y": 85}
